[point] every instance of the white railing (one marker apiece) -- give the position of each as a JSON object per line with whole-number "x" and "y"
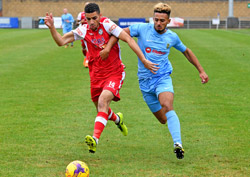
{"x": 194, "y": 22}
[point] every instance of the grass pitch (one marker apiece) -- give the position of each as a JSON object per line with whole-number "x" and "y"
{"x": 46, "y": 110}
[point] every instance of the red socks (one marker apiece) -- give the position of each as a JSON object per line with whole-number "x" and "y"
{"x": 112, "y": 116}
{"x": 100, "y": 122}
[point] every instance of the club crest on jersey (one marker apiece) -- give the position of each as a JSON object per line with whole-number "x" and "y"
{"x": 168, "y": 46}
{"x": 100, "y": 31}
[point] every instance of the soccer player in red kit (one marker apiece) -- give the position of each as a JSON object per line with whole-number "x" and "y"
{"x": 106, "y": 75}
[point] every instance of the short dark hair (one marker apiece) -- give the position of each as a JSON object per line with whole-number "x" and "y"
{"x": 92, "y": 7}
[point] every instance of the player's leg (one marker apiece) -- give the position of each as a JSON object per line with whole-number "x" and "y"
{"x": 166, "y": 101}
{"x": 147, "y": 87}
{"x": 166, "y": 98}
{"x": 102, "y": 115}
{"x": 102, "y": 98}
{"x": 101, "y": 119}
{"x": 117, "y": 118}
{"x": 114, "y": 85}
{"x": 154, "y": 106}
{"x": 112, "y": 116}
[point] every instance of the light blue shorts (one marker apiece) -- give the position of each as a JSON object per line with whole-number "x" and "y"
{"x": 152, "y": 87}
{"x": 67, "y": 29}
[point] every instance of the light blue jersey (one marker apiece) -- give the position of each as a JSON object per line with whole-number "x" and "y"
{"x": 156, "y": 48}
{"x": 67, "y": 20}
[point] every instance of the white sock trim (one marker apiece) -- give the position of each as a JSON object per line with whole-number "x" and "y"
{"x": 117, "y": 119}
{"x": 96, "y": 139}
{"x": 110, "y": 114}
{"x": 101, "y": 119}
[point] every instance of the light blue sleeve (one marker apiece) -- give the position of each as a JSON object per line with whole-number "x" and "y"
{"x": 62, "y": 20}
{"x": 134, "y": 30}
{"x": 179, "y": 45}
{"x": 71, "y": 18}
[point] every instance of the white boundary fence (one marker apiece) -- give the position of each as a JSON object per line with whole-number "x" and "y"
{"x": 207, "y": 23}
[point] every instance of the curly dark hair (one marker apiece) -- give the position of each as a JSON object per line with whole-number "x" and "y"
{"x": 92, "y": 7}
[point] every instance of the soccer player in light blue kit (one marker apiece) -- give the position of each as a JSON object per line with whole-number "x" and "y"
{"x": 67, "y": 21}
{"x": 155, "y": 41}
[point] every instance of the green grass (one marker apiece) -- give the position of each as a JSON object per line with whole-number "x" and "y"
{"x": 46, "y": 110}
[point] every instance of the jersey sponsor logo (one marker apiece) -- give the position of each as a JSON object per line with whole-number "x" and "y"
{"x": 99, "y": 42}
{"x": 158, "y": 52}
{"x": 148, "y": 49}
{"x": 112, "y": 27}
{"x": 112, "y": 85}
{"x": 79, "y": 31}
{"x": 100, "y": 31}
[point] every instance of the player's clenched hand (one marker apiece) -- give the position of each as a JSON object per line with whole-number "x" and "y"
{"x": 151, "y": 66}
{"x": 104, "y": 54}
{"x": 49, "y": 21}
{"x": 204, "y": 77}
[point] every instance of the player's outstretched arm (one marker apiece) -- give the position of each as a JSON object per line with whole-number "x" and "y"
{"x": 60, "y": 40}
{"x": 193, "y": 59}
{"x": 134, "y": 46}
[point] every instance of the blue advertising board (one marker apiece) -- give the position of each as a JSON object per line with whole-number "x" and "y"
{"x": 126, "y": 22}
{"x": 9, "y": 22}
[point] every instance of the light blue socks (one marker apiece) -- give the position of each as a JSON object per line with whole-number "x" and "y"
{"x": 174, "y": 126}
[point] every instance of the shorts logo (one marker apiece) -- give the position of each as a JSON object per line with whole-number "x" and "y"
{"x": 112, "y": 85}
{"x": 148, "y": 49}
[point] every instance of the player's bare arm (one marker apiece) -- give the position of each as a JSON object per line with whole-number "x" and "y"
{"x": 127, "y": 30}
{"x": 106, "y": 49}
{"x": 124, "y": 35}
{"x": 193, "y": 59}
{"x": 60, "y": 40}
